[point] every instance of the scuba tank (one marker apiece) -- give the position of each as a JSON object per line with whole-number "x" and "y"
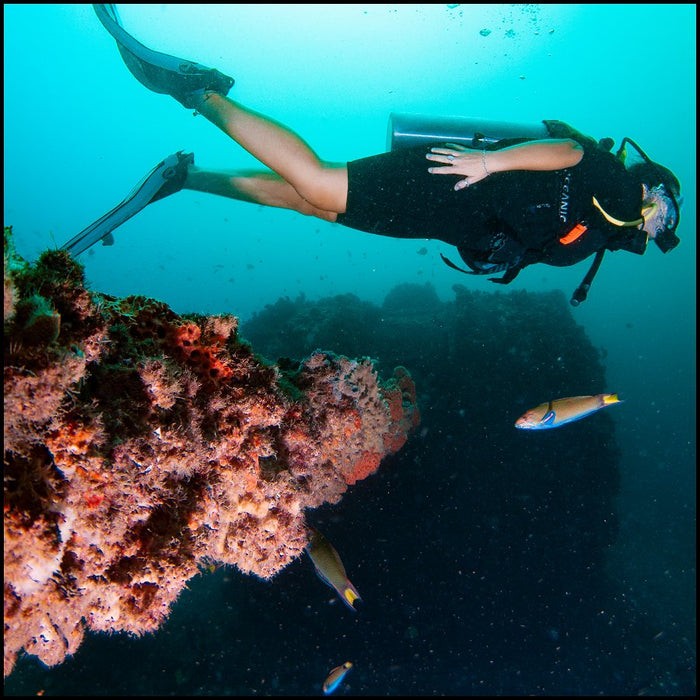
{"x": 408, "y": 130}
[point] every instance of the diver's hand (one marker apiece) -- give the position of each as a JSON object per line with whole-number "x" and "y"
{"x": 459, "y": 160}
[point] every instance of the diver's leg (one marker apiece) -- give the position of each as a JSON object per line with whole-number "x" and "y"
{"x": 196, "y": 86}
{"x": 268, "y": 189}
{"x": 322, "y": 185}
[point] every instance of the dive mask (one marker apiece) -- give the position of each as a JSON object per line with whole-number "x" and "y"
{"x": 661, "y": 219}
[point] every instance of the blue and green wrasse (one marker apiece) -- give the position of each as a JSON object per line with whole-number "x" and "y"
{"x": 330, "y": 569}
{"x": 335, "y": 677}
{"x": 561, "y": 411}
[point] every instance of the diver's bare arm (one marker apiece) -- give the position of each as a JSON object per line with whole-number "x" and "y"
{"x": 549, "y": 154}
{"x": 475, "y": 165}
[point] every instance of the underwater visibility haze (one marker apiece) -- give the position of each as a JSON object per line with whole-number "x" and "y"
{"x": 491, "y": 560}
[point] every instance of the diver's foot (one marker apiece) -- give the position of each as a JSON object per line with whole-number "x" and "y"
{"x": 184, "y": 80}
{"x": 168, "y": 177}
{"x": 173, "y": 175}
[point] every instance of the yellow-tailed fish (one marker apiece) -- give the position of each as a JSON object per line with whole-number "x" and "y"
{"x": 561, "y": 411}
{"x": 330, "y": 569}
{"x": 335, "y": 677}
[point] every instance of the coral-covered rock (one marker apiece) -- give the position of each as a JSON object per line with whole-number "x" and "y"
{"x": 140, "y": 446}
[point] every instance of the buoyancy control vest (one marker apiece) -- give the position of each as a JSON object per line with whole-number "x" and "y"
{"x": 504, "y": 252}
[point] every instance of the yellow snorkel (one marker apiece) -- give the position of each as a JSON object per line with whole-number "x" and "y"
{"x": 618, "y": 222}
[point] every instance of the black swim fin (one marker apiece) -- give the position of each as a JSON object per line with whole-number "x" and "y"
{"x": 165, "y": 179}
{"x": 184, "y": 80}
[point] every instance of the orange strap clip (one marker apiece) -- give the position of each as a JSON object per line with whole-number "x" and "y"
{"x": 573, "y": 235}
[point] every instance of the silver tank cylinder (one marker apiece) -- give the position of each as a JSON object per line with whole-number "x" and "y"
{"x": 407, "y": 130}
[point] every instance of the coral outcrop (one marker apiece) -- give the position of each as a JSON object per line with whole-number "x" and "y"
{"x": 141, "y": 445}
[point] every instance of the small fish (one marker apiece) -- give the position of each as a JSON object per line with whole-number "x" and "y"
{"x": 562, "y": 411}
{"x": 335, "y": 677}
{"x": 330, "y": 568}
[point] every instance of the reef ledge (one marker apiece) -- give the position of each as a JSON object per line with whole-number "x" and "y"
{"x": 142, "y": 445}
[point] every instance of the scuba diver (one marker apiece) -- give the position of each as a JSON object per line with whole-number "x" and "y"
{"x": 555, "y": 196}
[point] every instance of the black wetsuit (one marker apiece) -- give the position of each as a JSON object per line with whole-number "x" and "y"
{"x": 393, "y": 194}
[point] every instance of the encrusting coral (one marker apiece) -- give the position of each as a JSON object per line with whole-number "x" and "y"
{"x": 141, "y": 446}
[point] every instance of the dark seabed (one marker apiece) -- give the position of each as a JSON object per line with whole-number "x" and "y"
{"x": 490, "y": 560}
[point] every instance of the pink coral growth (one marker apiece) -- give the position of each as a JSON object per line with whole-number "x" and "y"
{"x": 140, "y": 446}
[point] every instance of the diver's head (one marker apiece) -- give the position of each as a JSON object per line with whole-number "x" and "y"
{"x": 660, "y": 213}
{"x": 661, "y": 203}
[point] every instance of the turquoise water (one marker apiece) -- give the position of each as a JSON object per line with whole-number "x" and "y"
{"x": 80, "y": 132}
